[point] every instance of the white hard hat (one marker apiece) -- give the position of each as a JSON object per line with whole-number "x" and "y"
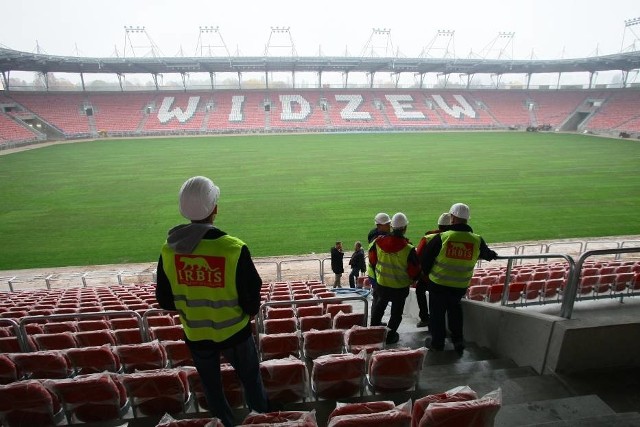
{"x": 445, "y": 219}
{"x": 399, "y": 220}
{"x": 460, "y": 210}
{"x": 382, "y": 218}
{"x": 198, "y": 198}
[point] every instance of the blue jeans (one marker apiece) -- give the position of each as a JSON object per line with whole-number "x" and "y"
{"x": 244, "y": 359}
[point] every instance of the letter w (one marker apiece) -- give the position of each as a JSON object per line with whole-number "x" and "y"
{"x": 456, "y": 110}
{"x": 164, "y": 115}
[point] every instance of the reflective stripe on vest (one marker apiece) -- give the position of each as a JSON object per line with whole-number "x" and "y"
{"x": 391, "y": 268}
{"x": 204, "y": 288}
{"x": 454, "y": 264}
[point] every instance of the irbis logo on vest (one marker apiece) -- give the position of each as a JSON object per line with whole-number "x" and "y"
{"x": 459, "y": 250}
{"x": 200, "y": 270}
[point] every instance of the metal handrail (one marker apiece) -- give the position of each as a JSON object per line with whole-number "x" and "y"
{"x": 572, "y": 282}
{"x": 510, "y": 259}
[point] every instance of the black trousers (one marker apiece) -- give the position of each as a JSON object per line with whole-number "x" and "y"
{"x": 444, "y": 304}
{"x": 421, "y": 298}
{"x": 383, "y": 296}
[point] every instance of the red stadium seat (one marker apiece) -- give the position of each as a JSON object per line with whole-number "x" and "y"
{"x": 29, "y": 403}
{"x": 128, "y": 336}
{"x": 279, "y": 346}
{"x": 141, "y": 357}
{"x": 92, "y": 360}
{"x": 178, "y": 353}
{"x": 347, "y": 320}
{"x": 367, "y": 338}
{"x": 321, "y": 322}
{"x": 171, "y": 333}
{"x": 338, "y": 376}
{"x": 156, "y": 392}
{"x": 285, "y": 380}
{"x": 478, "y": 412}
{"x": 281, "y": 418}
{"x": 478, "y": 292}
{"x": 56, "y": 341}
{"x": 95, "y": 338}
{"x": 43, "y": 364}
{"x": 317, "y": 343}
{"x": 457, "y": 394}
{"x": 8, "y": 370}
{"x": 280, "y": 326}
{"x": 91, "y": 398}
{"x": 395, "y": 369}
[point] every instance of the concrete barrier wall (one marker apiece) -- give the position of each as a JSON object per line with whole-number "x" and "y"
{"x": 550, "y": 343}
{"x": 521, "y": 336}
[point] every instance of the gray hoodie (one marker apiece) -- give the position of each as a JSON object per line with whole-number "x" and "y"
{"x": 184, "y": 238}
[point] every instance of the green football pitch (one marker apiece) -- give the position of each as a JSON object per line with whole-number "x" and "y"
{"x": 112, "y": 201}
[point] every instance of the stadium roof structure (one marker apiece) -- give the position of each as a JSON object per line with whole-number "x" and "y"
{"x": 12, "y": 60}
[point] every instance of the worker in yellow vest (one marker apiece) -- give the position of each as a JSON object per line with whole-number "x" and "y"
{"x": 444, "y": 221}
{"x": 448, "y": 261}
{"x": 209, "y": 278}
{"x": 396, "y": 267}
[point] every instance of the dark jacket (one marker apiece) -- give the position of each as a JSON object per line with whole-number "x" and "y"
{"x": 248, "y": 285}
{"x": 336, "y": 261}
{"x": 357, "y": 261}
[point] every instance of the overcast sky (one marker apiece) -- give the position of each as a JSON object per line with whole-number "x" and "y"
{"x": 549, "y": 29}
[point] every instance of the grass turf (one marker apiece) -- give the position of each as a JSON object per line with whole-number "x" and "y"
{"x": 112, "y": 201}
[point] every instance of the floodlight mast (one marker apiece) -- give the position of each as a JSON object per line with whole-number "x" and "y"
{"x": 131, "y": 32}
{"x": 280, "y": 38}
{"x": 443, "y": 42}
{"x": 371, "y": 48}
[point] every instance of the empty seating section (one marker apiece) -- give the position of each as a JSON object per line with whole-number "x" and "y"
{"x": 508, "y": 108}
{"x": 64, "y": 111}
{"x": 176, "y": 112}
{"x": 299, "y": 110}
{"x": 621, "y": 110}
{"x": 10, "y": 131}
{"x": 238, "y": 111}
{"x": 554, "y": 107}
{"x": 119, "y": 112}
{"x": 546, "y": 283}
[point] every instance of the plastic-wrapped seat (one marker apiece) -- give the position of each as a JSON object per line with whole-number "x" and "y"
{"x": 91, "y": 398}
{"x": 285, "y": 380}
{"x": 141, "y": 357}
{"x": 43, "y": 364}
{"x": 456, "y": 394}
{"x": 95, "y": 338}
{"x": 56, "y": 341}
{"x": 29, "y": 403}
{"x": 281, "y": 419}
{"x": 396, "y": 369}
{"x": 337, "y": 376}
{"x": 157, "y": 392}
{"x": 315, "y": 322}
{"x": 364, "y": 415}
{"x": 278, "y": 346}
{"x": 474, "y": 413}
{"x": 317, "y": 343}
{"x": 367, "y": 338}
{"x": 346, "y": 320}
{"x": 9, "y": 372}
{"x": 162, "y": 333}
{"x": 92, "y": 360}
{"x": 280, "y": 326}
{"x": 178, "y": 353}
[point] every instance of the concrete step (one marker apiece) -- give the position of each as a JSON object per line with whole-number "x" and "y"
{"x": 627, "y": 419}
{"x": 540, "y": 412}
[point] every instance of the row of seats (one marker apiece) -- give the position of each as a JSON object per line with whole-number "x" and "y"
{"x": 110, "y": 397}
{"x": 536, "y": 291}
{"x": 122, "y": 113}
{"x": 285, "y": 380}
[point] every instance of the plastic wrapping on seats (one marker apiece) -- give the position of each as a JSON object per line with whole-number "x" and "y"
{"x": 168, "y": 421}
{"x": 471, "y": 413}
{"x": 285, "y": 380}
{"x": 456, "y": 394}
{"x": 361, "y": 408}
{"x": 282, "y": 419}
{"x": 399, "y": 416}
